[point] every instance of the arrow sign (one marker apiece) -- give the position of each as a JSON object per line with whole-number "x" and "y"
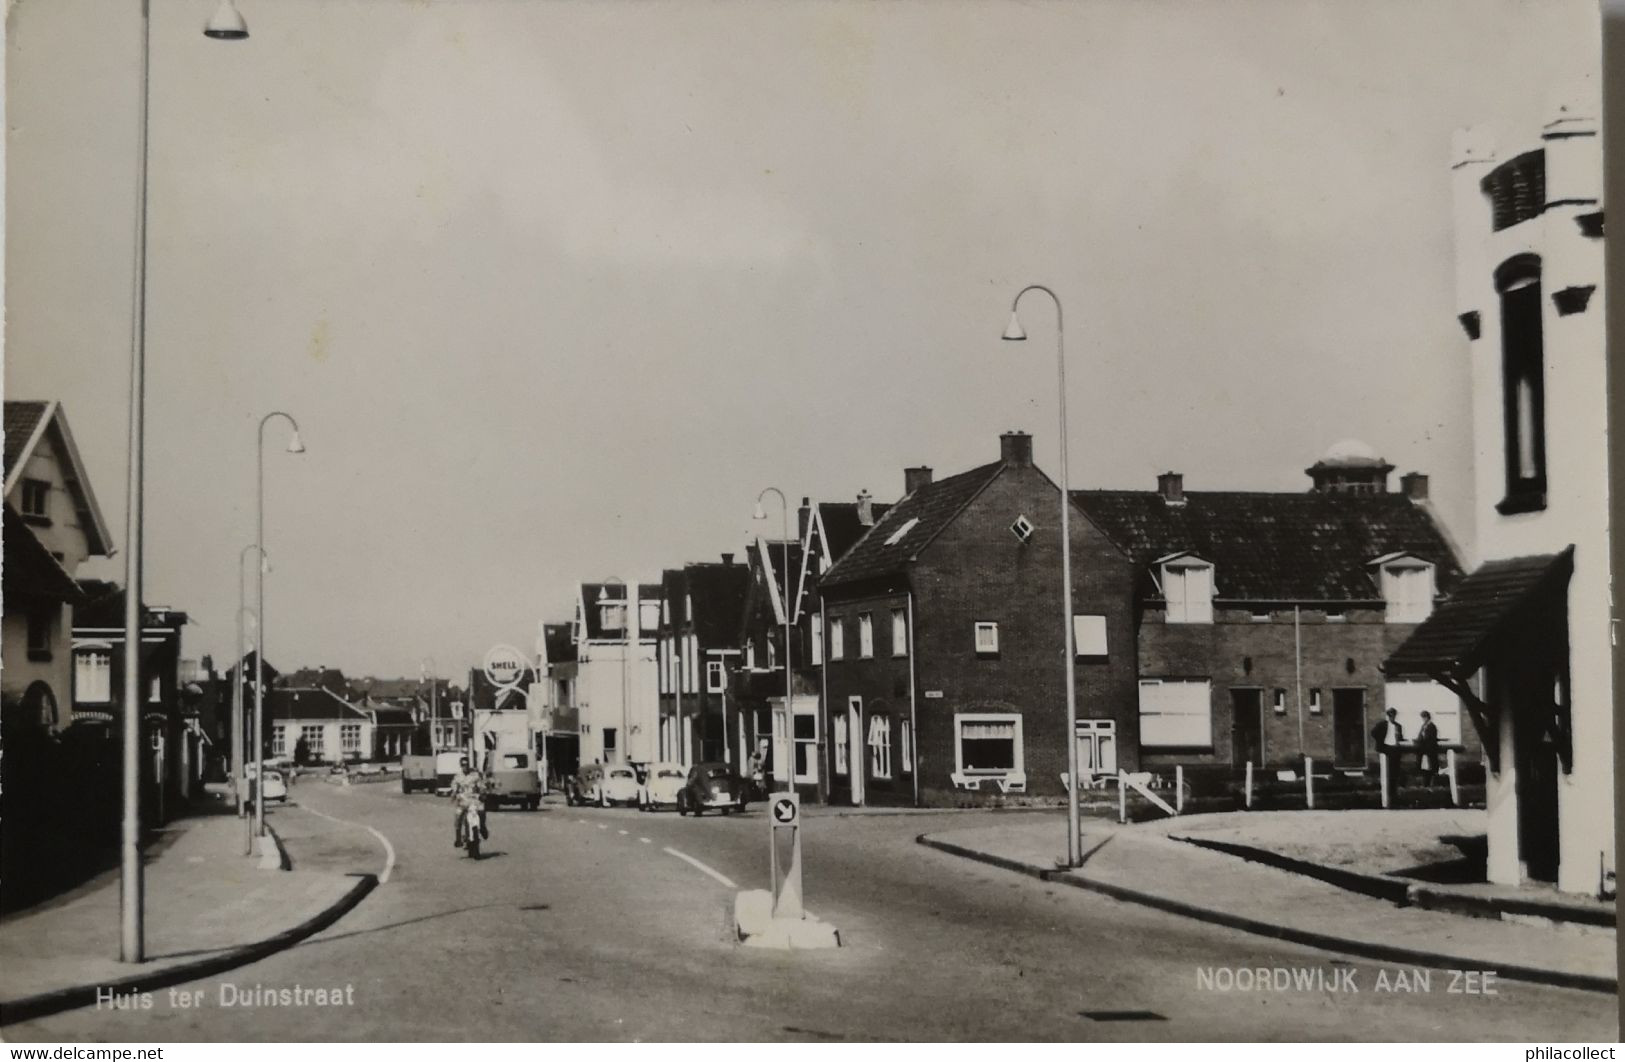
{"x": 784, "y": 811}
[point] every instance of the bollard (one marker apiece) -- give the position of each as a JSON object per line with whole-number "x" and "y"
{"x": 1309, "y": 782}
{"x": 1249, "y": 784}
{"x": 1382, "y": 774}
{"x": 1450, "y": 765}
{"x": 1122, "y": 799}
{"x": 1179, "y": 789}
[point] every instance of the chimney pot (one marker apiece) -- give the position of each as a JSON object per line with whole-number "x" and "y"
{"x": 915, "y": 478}
{"x": 1171, "y": 485}
{"x": 1414, "y": 485}
{"x": 1016, "y": 448}
{"x": 727, "y": 558}
{"x": 866, "y": 509}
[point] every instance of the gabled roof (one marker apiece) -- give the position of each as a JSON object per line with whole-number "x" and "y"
{"x": 288, "y": 702}
{"x": 779, "y": 557}
{"x": 1276, "y": 546}
{"x": 1454, "y": 640}
{"x": 103, "y": 606}
{"x": 327, "y": 678}
{"x": 589, "y": 600}
{"x": 556, "y": 644}
{"x": 26, "y": 423}
{"x": 30, "y": 570}
{"x": 718, "y": 592}
{"x": 931, "y": 508}
{"x": 841, "y": 526}
{"x": 387, "y": 716}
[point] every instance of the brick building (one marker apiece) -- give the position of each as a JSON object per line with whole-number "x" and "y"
{"x": 757, "y": 676}
{"x": 700, "y": 610}
{"x": 1264, "y": 618}
{"x": 943, "y": 678}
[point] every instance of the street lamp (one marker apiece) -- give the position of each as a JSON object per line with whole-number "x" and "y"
{"x": 294, "y": 447}
{"x": 237, "y": 690}
{"x": 426, "y": 672}
{"x": 226, "y": 24}
{"x": 1014, "y": 331}
{"x": 789, "y": 711}
{"x": 624, "y": 737}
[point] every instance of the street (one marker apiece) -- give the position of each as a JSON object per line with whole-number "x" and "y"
{"x": 582, "y": 924}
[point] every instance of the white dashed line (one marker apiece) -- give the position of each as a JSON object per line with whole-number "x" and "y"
{"x": 603, "y": 826}
{"x": 582, "y": 821}
{"x": 645, "y": 840}
{"x": 621, "y": 832}
{"x": 700, "y": 866}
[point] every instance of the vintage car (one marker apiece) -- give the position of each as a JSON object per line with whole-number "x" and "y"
{"x": 662, "y": 782}
{"x": 275, "y": 787}
{"x": 711, "y": 786}
{"x": 510, "y": 778}
{"x": 603, "y": 785}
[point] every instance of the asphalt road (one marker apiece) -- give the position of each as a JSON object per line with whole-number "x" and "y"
{"x": 587, "y": 924}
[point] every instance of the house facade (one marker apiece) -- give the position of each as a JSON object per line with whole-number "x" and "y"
{"x": 944, "y": 657}
{"x": 787, "y": 733}
{"x": 614, "y": 631}
{"x": 1264, "y": 619}
{"x": 559, "y": 725}
{"x": 314, "y": 725}
{"x": 698, "y": 644}
{"x": 1525, "y": 640}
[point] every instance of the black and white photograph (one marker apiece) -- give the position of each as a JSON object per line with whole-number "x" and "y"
{"x": 806, "y": 521}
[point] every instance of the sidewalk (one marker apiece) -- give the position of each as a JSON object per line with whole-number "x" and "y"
{"x": 208, "y": 908}
{"x": 1145, "y": 866}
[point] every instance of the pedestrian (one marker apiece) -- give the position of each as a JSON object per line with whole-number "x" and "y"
{"x": 1427, "y": 749}
{"x": 1389, "y": 737}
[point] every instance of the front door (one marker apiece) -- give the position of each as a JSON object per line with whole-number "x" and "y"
{"x": 1247, "y": 727}
{"x": 854, "y": 751}
{"x": 1537, "y": 795}
{"x": 1348, "y": 729}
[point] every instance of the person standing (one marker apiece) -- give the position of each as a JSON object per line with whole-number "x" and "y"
{"x": 1427, "y": 749}
{"x": 1389, "y": 738}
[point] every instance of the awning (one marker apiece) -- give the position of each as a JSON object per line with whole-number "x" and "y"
{"x": 1452, "y": 643}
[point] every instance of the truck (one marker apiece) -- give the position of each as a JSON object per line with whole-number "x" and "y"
{"x": 506, "y": 754}
{"x": 432, "y": 771}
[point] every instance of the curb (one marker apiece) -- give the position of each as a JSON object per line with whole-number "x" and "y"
{"x": 1324, "y": 941}
{"x": 1375, "y": 886}
{"x": 48, "y": 1003}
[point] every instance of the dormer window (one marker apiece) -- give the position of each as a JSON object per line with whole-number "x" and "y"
{"x": 612, "y": 617}
{"x": 1407, "y": 587}
{"x": 1187, "y": 587}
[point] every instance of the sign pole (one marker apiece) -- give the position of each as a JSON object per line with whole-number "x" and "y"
{"x": 784, "y": 826}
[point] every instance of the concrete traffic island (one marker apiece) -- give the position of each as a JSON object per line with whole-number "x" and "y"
{"x": 757, "y": 928}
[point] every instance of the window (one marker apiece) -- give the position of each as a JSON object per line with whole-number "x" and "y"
{"x": 688, "y": 607}
{"x": 899, "y": 632}
{"x": 515, "y": 761}
{"x": 1314, "y": 702}
{"x": 988, "y": 744}
{"x": 1176, "y": 714}
{"x": 837, "y": 639}
{"x": 898, "y": 535}
{"x": 1407, "y": 586}
{"x": 750, "y": 654}
{"x": 1089, "y": 635}
{"x": 350, "y": 737}
{"x": 1523, "y": 385}
{"x": 806, "y": 739}
{"x": 987, "y": 639}
{"x": 665, "y": 610}
{"x": 866, "y": 635}
{"x": 1022, "y": 528}
{"x": 772, "y": 653}
{"x": 1262, "y": 617}
{"x": 155, "y": 689}
{"x": 840, "y": 744}
{"x": 715, "y": 676}
{"x": 1187, "y": 586}
{"x": 36, "y": 498}
{"x": 817, "y": 639}
{"x": 1279, "y": 703}
{"x": 611, "y": 739}
{"x": 691, "y": 664}
{"x": 1411, "y": 699}
{"x": 93, "y": 677}
{"x": 312, "y": 736}
{"x": 41, "y": 627}
{"x": 612, "y": 617}
{"x": 279, "y": 741}
{"x": 664, "y": 667}
{"x": 905, "y": 747}
{"x": 1097, "y": 747}
{"x": 880, "y": 746}
{"x": 649, "y": 615}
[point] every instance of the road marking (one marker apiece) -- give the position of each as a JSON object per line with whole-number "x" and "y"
{"x": 582, "y": 821}
{"x": 603, "y": 826}
{"x": 389, "y": 849}
{"x": 699, "y": 866}
{"x": 645, "y": 840}
{"x": 621, "y": 832}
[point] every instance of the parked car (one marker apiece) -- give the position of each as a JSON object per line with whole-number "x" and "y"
{"x": 662, "y": 782}
{"x": 275, "y": 788}
{"x": 604, "y": 785}
{"x": 711, "y": 785}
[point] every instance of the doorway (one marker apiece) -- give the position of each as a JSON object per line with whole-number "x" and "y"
{"x": 1348, "y": 729}
{"x": 1247, "y": 727}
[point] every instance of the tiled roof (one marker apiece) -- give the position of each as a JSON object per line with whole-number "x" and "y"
{"x": 842, "y": 527}
{"x": 718, "y": 592}
{"x": 21, "y": 419}
{"x": 1276, "y": 546}
{"x": 30, "y": 570}
{"x": 612, "y": 592}
{"x": 327, "y": 678}
{"x": 560, "y": 649}
{"x": 924, "y": 513}
{"x": 103, "y": 606}
{"x": 393, "y": 717}
{"x": 1454, "y": 639}
{"x": 287, "y": 702}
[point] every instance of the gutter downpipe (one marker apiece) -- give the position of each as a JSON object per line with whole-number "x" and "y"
{"x": 913, "y": 716}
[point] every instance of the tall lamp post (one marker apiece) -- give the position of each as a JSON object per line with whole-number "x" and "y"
{"x": 237, "y": 728}
{"x": 426, "y": 672}
{"x": 226, "y": 24}
{"x": 789, "y": 711}
{"x": 294, "y": 447}
{"x": 1014, "y": 331}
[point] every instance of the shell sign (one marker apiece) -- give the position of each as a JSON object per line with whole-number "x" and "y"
{"x": 504, "y": 666}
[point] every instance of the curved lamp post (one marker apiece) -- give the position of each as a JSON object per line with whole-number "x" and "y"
{"x": 1014, "y": 331}
{"x": 789, "y": 712}
{"x": 237, "y": 690}
{"x": 294, "y": 447}
{"x": 226, "y": 24}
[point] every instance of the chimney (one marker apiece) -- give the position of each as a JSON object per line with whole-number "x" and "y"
{"x": 1414, "y": 485}
{"x": 1016, "y": 448}
{"x": 1171, "y": 485}
{"x": 727, "y": 558}
{"x": 915, "y": 478}
{"x": 804, "y": 518}
{"x": 866, "y": 510}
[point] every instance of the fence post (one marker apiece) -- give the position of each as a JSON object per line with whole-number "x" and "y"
{"x": 1382, "y": 774}
{"x": 1249, "y": 784}
{"x": 1309, "y": 781}
{"x": 1122, "y": 798}
{"x": 1179, "y": 788}
{"x": 1450, "y": 765}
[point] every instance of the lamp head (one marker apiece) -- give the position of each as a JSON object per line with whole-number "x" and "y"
{"x": 1013, "y": 330}
{"x": 294, "y": 445}
{"x": 760, "y": 513}
{"x": 227, "y": 23}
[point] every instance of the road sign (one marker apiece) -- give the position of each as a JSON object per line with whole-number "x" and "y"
{"x": 784, "y": 829}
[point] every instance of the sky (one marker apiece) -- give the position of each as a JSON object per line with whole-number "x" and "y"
{"x": 555, "y": 289}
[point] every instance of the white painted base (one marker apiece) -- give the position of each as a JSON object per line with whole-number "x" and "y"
{"x": 757, "y": 928}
